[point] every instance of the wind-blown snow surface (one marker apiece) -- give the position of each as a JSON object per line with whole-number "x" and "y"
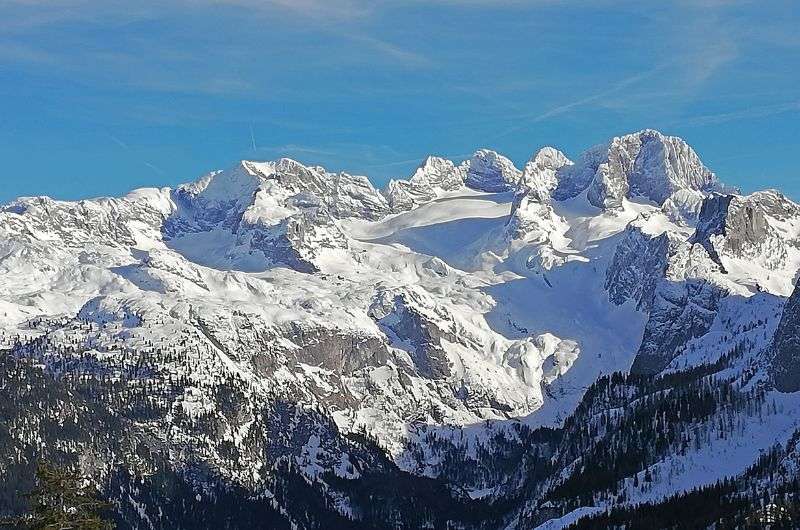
{"x": 473, "y": 291}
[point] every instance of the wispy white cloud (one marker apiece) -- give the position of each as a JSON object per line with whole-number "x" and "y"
{"x": 294, "y": 149}
{"x": 526, "y": 120}
{"x": 345, "y": 23}
{"x": 617, "y": 87}
{"x": 119, "y": 142}
{"x": 705, "y": 43}
{"x": 312, "y": 9}
{"x": 742, "y": 114}
{"x": 157, "y": 170}
{"x": 388, "y": 49}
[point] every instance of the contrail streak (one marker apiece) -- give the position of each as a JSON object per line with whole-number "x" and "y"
{"x": 253, "y": 138}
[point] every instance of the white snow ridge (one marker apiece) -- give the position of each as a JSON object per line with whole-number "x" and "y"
{"x": 474, "y": 300}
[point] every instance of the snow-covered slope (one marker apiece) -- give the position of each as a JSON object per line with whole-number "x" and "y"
{"x": 470, "y": 292}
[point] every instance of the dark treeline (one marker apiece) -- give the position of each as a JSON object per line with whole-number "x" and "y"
{"x": 766, "y": 496}
{"x": 624, "y": 425}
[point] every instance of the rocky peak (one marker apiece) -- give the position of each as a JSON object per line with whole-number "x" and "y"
{"x": 666, "y": 164}
{"x": 640, "y": 262}
{"x": 491, "y": 172}
{"x": 540, "y": 175}
{"x": 775, "y": 205}
{"x": 737, "y": 227}
{"x": 354, "y": 196}
{"x": 532, "y": 215}
{"x": 293, "y": 176}
{"x": 432, "y": 178}
{"x": 679, "y": 312}
{"x": 238, "y": 185}
{"x": 437, "y": 172}
{"x": 646, "y": 164}
{"x": 275, "y": 189}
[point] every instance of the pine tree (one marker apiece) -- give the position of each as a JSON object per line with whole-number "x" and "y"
{"x": 62, "y": 500}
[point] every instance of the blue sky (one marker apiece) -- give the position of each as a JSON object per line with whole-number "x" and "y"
{"x": 97, "y": 98}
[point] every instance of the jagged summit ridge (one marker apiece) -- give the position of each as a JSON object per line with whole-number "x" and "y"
{"x": 445, "y": 242}
{"x": 540, "y": 175}
{"x": 486, "y": 171}
{"x": 491, "y": 172}
{"x": 645, "y": 164}
{"x": 264, "y": 313}
{"x": 434, "y": 177}
{"x": 532, "y": 215}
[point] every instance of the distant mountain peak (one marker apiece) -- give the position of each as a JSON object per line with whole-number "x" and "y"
{"x": 645, "y": 164}
{"x": 540, "y": 175}
{"x": 490, "y": 171}
{"x": 433, "y": 177}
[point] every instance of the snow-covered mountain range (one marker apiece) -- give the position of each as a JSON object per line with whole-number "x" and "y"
{"x": 448, "y": 320}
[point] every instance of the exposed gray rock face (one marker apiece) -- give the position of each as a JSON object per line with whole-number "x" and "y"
{"x": 315, "y": 344}
{"x": 786, "y": 346}
{"x": 432, "y": 178}
{"x": 737, "y": 226}
{"x": 646, "y": 164}
{"x": 575, "y": 179}
{"x": 679, "y": 279}
{"x": 679, "y": 313}
{"x": 639, "y": 264}
{"x": 295, "y": 241}
{"x": 491, "y": 172}
{"x": 610, "y": 183}
{"x": 420, "y": 334}
{"x": 712, "y": 222}
{"x": 354, "y": 196}
{"x": 669, "y": 278}
{"x": 335, "y": 350}
{"x": 315, "y": 349}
